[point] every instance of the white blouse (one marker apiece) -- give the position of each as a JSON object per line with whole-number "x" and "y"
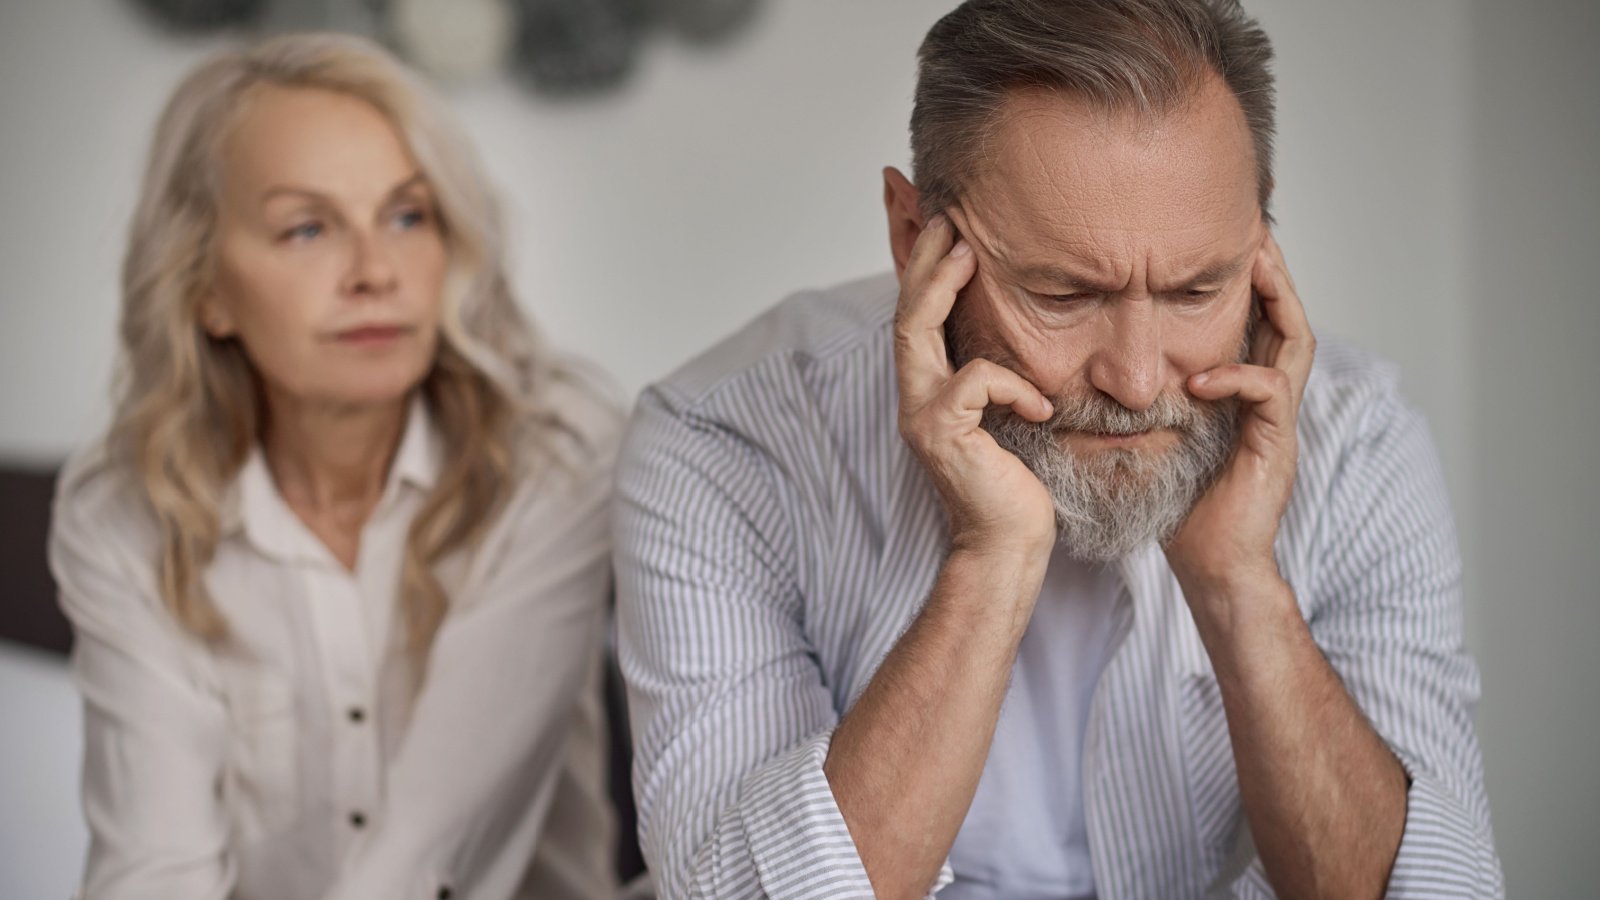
{"x": 294, "y": 761}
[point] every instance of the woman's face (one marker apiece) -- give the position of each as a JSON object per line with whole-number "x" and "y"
{"x": 330, "y": 258}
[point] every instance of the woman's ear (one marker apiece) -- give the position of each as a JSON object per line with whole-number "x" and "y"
{"x": 214, "y": 317}
{"x": 902, "y": 202}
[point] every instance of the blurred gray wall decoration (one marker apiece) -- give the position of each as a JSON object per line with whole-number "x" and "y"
{"x": 194, "y": 16}
{"x": 557, "y": 48}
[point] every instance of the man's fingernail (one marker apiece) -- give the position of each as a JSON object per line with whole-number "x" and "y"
{"x": 1200, "y": 379}
{"x": 962, "y": 248}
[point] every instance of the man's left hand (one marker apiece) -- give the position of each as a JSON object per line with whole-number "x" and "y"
{"x": 1225, "y": 546}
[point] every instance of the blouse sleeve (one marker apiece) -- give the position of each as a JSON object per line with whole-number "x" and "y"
{"x": 154, "y": 733}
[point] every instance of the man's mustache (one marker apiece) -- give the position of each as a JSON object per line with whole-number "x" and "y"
{"x": 1099, "y": 413}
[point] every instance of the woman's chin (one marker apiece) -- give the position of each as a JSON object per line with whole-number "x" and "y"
{"x": 365, "y": 389}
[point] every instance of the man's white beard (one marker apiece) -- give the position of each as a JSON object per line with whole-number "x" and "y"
{"x": 1112, "y": 502}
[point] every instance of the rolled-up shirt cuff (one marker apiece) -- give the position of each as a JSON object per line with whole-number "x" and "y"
{"x": 796, "y": 833}
{"x": 1445, "y": 851}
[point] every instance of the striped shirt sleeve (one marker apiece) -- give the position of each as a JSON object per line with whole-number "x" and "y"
{"x": 1388, "y": 616}
{"x": 731, "y": 716}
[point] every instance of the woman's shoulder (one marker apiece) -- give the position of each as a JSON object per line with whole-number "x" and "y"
{"x": 99, "y": 493}
{"x": 575, "y": 424}
{"x": 104, "y": 539}
{"x": 567, "y": 452}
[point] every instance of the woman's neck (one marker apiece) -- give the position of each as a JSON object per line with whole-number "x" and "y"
{"x": 330, "y": 462}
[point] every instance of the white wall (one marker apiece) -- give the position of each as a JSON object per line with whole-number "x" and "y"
{"x": 42, "y": 836}
{"x": 1535, "y": 388}
{"x": 1435, "y": 201}
{"x": 1371, "y": 164}
{"x": 79, "y": 89}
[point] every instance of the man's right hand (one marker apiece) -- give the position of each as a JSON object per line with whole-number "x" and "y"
{"x": 905, "y": 761}
{"x": 995, "y": 504}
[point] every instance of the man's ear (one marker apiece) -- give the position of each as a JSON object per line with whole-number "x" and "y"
{"x": 902, "y": 201}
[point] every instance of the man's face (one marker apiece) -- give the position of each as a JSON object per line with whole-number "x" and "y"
{"x": 1114, "y": 262}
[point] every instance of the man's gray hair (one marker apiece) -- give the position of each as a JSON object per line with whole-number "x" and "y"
{"x": 1143, "y": 55}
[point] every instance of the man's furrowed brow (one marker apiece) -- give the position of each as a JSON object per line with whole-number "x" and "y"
{"x": 1061, "y": 277}
{"x": 1215, "y": 273}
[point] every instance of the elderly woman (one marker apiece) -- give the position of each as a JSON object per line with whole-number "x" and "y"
{"x": 338, "y": 572}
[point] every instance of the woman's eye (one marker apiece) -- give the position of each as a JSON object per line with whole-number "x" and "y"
{"x": 303, "y": 232}
{"x": 411, "y": 218}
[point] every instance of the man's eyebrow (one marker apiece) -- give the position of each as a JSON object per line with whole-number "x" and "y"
{"x": 310, "y": 194}
{"x": 1060, "y": 277}
{"x": 1217, "y": 272}
{"x": 1068, "y": 280}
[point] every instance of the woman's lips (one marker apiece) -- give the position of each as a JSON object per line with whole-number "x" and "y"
{"x": 371, "y": 335}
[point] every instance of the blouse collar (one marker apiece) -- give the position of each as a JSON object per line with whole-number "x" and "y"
{"x": 253, "y": 505}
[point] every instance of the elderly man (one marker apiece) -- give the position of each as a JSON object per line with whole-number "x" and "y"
{"x": 1053, "y": 567}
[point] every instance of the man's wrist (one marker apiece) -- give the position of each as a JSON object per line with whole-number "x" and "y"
{"x": 1012, "y": 549}
{"x": 998, "y": 579}
{"x": 1243, "y": 618}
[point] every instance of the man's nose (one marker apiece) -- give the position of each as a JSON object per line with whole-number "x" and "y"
{"x": 1129, "y": 365}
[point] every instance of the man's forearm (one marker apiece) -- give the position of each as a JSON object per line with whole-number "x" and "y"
{"x": 905, "y": 761}
{"x": 1325, "y": 797}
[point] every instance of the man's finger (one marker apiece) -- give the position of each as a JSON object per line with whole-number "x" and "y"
{"x": 981, "y": 384}
{"x": 1278, "y": 285}
{"x": 1275, "y": 250}
{"x": 1269, "y": 390}
{"x": 932, "y": 245}
{"x": 1287, "y": 339}
{"x": 920, "y": 356}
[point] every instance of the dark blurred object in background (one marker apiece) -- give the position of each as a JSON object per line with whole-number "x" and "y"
{"x": 574, "y": 47}
{"x": 28, "y": 611}
{"x": 196, "y": 16}
{"x": 704, "y": 21}
{"x": 558, "y": 48}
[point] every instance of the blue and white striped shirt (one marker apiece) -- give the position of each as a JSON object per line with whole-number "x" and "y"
{"x": 774, "y": 537}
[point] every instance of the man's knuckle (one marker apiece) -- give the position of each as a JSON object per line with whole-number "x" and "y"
{"x": 979, "y": 369}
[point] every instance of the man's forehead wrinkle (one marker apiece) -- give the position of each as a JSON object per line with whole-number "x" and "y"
{"x": 985, "y": 159}
{"x": 1057, "y": 194}
{"x": 1049, "y": 174}
{"x": 1040, "y": 158}
{"x": 1013, "y": 234}
{"x": 1017, "y": 239}
{"x": 1113, "y": 199}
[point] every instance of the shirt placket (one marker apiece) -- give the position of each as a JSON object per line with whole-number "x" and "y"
{"x": 337, "y": 616}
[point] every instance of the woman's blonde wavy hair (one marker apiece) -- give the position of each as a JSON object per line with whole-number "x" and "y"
{"x": 188, "y": 408}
